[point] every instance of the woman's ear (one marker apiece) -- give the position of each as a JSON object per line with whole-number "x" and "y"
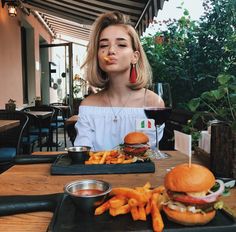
{"x": 136, "y": 56}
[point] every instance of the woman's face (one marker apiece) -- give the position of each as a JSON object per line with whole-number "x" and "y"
{"x": 115, "y": 45}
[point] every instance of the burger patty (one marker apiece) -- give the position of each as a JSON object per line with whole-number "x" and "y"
{"x": 135, "y": 149}
{"x": 140, "y": 150}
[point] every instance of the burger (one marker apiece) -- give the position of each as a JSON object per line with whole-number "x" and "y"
{"x": 192, "y": 198}
{"x": 136, "y": 145}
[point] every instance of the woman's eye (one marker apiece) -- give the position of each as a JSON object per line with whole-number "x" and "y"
{"x": 122, "y": 45}
{"x": 103, "y": 46}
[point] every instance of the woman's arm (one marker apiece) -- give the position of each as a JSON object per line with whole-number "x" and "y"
{"x": 85, "y": 133}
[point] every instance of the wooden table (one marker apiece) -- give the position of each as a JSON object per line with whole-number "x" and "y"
{"x": 8, "y": 124}
{"x": 36, "y": 179}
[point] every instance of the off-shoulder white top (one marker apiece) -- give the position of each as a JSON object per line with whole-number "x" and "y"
{"x": 96, "y": 126}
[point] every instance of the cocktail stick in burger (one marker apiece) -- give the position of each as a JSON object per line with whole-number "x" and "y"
{"x": 191, "y": 201}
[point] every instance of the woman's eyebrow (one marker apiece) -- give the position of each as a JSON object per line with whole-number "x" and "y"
{"x": 119, "y": 39}
{"x": 101, "y": 40}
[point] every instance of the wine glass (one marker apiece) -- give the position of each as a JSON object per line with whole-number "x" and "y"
{"x": 160, "y": 112}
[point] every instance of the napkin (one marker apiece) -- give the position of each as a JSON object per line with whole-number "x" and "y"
{"x": 183, "y": 143}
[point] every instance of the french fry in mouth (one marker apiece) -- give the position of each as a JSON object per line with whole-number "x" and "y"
{"x": 106, "y": 58}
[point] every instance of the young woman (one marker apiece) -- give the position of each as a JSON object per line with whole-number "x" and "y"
{"x": 117, "y": 64}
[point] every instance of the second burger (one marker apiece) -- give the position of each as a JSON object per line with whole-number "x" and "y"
{"x": 136, "y": 144}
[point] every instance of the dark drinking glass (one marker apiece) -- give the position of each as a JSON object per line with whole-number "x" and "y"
{"x": 160, "y": 112}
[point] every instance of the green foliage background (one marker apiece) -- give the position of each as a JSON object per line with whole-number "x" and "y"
{"x": 194, "y": 53}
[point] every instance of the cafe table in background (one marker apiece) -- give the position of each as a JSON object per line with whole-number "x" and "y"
{"x": 35, "y": 179}
{"x": 8, "y": 124}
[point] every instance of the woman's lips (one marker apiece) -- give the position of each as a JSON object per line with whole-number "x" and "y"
{"x": 109, "y": 60}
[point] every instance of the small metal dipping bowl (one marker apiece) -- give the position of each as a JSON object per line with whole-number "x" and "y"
{"x": 88, "y": 203}
{"x": 78, "y": 154}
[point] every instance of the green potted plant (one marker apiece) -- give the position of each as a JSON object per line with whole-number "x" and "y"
{"x": 218, "y": 105}
{"x": 10, "y": 105}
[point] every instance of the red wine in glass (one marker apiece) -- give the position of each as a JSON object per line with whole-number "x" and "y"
{"x": 160, "y": 115}
{"x": 160, "y": 112}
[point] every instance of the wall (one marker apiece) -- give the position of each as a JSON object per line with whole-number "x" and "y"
{"x": 10, "y": 56}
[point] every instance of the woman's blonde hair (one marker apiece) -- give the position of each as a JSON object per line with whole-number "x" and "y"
{"x": 94, "y": 74}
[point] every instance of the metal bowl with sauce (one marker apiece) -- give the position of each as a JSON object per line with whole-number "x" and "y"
{"x": 88, "y": 194}
{"x": 78, "y": 154}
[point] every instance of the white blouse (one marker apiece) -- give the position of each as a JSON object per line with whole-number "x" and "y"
{"x": 97, "y": 128}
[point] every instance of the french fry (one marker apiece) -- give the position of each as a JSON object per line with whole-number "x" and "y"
{"x": 88, "y": 162}
{"x": 159, "y": 189}
{"x": 106, "y": 58}
{"x": 102, "y": 208}
{"x": 102, "y": 160}
{"x": 148, "y": 207}
{"x": 109, "y": 157}
{"x": 130, "y": 193}
{"x": 139, "y": 201}
{"x": 124, "y": 209}
{"x": 147, "y": 185}
{"x": 134, "y": 213}
{"x": 117, "y": 201}
{"x": 142, "y": 213}
{"x": 157, "y": 222}
{"x": 127, "y": 161}
{"x": 120, "y": 159}
{"x": 133, "y": 202}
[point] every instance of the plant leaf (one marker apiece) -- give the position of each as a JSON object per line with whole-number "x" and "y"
{"x": 194, "y": 104}
{"x": 224, "y": 78}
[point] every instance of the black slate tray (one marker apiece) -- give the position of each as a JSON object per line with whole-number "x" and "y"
{"x": 67, "y": 219}
{"x": 64, "y": 166}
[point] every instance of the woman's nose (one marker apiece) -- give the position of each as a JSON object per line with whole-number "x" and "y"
{"x": 112, "y": 49}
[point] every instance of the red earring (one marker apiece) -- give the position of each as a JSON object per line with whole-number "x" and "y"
{"x": 133, "y": 74}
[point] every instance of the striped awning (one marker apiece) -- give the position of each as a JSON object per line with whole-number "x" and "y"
{"x": 75, "y": 17}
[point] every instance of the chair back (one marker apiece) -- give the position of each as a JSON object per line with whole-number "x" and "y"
{"x": 12, "y": 137}
{"x": 65, "y": 109}
{"x": 33, "y": 123}
{"x": 44, "y": 122}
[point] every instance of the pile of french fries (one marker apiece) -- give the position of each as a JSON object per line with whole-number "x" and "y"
{"x": 139, "y": 201}
{"x": 110, "y": 157}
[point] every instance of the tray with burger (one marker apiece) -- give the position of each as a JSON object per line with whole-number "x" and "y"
{"x": 133, "y": 156}
{"x": 187, "y": 202}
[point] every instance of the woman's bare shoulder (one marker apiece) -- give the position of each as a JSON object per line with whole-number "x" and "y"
{"x": 94, "y": 100}
{"x": 152, "y": 99}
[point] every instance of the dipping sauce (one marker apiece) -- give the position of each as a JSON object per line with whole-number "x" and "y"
{"x": 87, "y": 192}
